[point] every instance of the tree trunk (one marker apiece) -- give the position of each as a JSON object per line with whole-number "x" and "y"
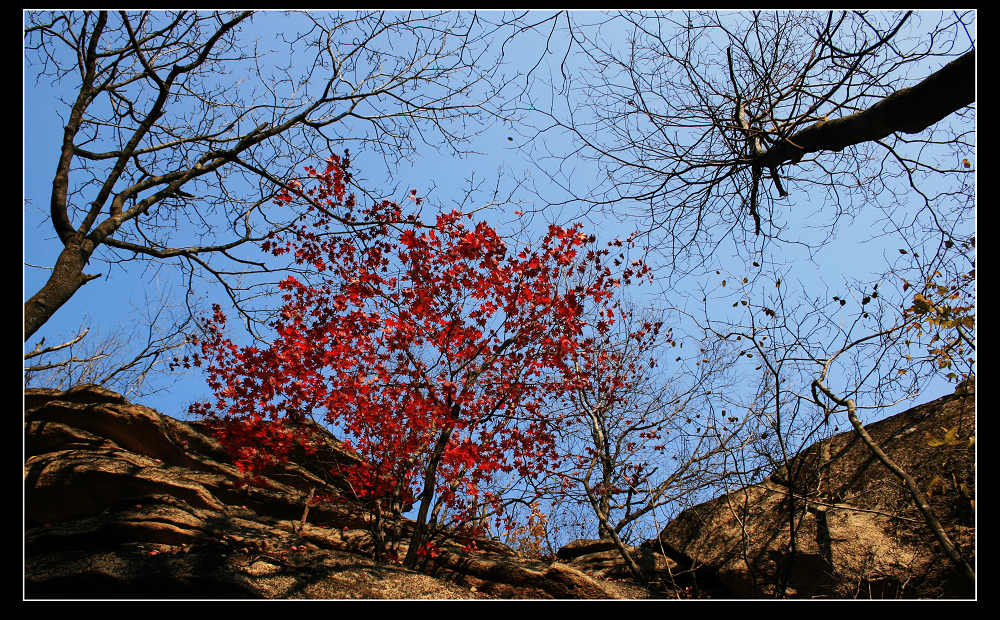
{"x": 66, "y": 279}
{"x": 630, "y": 563}
{"x": 430, "y": 480}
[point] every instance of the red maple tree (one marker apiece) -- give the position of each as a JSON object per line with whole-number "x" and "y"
{"x": 434, "y": 349}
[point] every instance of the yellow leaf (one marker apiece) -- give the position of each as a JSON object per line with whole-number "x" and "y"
{"x": 936, "y": 481}
{"x": 950, "y": 438}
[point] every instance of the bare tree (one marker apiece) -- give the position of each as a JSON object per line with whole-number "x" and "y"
{"x": 881, "y": 343}
{"x": 182, "y": 127}
{"x": 636, "y": 443}
{"x": 707, "y": 125}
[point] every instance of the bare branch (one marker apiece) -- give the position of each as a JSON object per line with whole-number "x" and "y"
{"x": 38, "y": 350}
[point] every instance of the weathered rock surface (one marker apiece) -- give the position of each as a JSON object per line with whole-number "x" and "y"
{"x": 601, "y": 558}
{"x": 857, "y": 532}
{"x": 124, "y": 502}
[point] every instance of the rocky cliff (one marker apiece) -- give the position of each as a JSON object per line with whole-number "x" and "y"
{"x": 121, "y": 501}
{"x": 124, "y": 502}
{"x": 836, "y": 523}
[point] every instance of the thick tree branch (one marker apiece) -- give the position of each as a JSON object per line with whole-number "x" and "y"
{"x": 909, "y": 110}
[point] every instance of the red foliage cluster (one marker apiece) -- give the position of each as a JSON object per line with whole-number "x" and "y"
{"x": 433, "y": 349}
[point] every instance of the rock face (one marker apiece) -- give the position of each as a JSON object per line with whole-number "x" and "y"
{"x": 857, "y": 532}
{"x": 124, "y": 502}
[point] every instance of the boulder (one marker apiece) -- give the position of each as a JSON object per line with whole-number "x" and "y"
{"x": 601, "y": 558}
{"x": 585, "y": 546}
{"x": 836, "y": 523}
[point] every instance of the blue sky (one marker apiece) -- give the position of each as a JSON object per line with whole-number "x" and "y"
{"x": 113, "y": 302}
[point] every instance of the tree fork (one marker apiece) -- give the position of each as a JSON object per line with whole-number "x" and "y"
{"x": 430, "y": 478}
{"x": 66, "y": 279}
